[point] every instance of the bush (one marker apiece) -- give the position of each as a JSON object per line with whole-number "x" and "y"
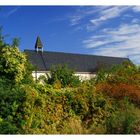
{"x": 123, "y": 120}
{"x": 12, "y": 64}
{"x": 64, "y": 75}
{"x": 7, "y": 128}
{"x": 62, "y": 104}
{"x": 72, "y": 125}
{"x": 10, "y": 101}
{"x": 57, "y": 84}
{"x": 120, "y": 81}
{"x": 120, "y": 91}
{"x": 124, "y": 73}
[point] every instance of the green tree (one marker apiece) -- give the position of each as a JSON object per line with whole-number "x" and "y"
{"x": 64, "y": 75}
{"x": 16, "y": 42}
{"x": 1, "y": 38}
{"x": 12, "y": 63}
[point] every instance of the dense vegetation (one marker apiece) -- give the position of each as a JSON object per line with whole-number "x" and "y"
{"x": 62, "y": 104}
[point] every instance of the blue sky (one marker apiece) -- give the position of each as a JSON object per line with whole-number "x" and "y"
{"x": 99, "y": 30}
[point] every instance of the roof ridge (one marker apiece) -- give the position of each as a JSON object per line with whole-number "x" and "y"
{"x": 78, "y": 62}
{"x": 79, "y": 54}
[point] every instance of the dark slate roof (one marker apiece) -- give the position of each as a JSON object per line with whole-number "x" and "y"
{"x": 78, "y": 62}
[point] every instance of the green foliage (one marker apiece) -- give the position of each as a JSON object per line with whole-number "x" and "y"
{"x": 72, "y": 125}
{"x": 7, "y": 128}
{"x": 15, "y": 42}
{"x": 64, "y": 75}
{"x": 2, "y": 43}
{"x": 44, "y": 110}
{"x": 28, "y": 79}
{"x": 123, "y": 120}
{"x": 10, "y": 99}
{"x": 120, "y": 81}
{"x": 42, "y": 80}
{"x": 12, "y": 64}
{"x": 106, "y": 104}
{"x": 125, "y": 72}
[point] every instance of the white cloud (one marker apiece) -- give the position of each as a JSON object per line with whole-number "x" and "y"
{"x": 135, "y": 58}
{"x": 75, "y": 19}
{"x": 124, "y": 29}
{"x": 136, "y": 8}
{"x": 11, "y": 12}
{"x": 101, "y": 14}
{"x": 83, "y": 12}
{"x": 109, "y": 13}
{"x": 135, "y": 20}
{"x": 122, "y": 41}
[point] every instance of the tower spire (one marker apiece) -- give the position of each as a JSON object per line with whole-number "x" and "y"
{"x": 38, "y": 44}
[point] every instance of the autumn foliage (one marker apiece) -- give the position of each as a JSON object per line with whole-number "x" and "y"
{"x": 121, "y": 81}
{"x": 120, "y": 90}
{"x": 62, "y": 104}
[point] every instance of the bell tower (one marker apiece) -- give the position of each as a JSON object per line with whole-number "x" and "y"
{"x": 38, "y": 45}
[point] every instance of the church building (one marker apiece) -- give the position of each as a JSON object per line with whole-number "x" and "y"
{"x": 85, "y": 66}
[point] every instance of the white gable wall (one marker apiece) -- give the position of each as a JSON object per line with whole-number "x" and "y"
{"x": 82, "y": 75}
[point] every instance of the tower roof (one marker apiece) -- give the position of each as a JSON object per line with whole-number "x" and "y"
{"x": 38, "y": 43}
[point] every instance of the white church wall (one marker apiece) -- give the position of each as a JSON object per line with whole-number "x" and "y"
{"x": 85, "y": 75}
{"x": 82, "y": 75}
{"x": 37, "y": 74}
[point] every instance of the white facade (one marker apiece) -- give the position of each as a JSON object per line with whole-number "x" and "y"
{"x": 37, "y": 74}
{"x": 82, "y": 75}
{"x": 85, "y": 75}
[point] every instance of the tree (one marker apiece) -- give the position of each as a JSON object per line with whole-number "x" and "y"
{"x": 12, "y": 63}
{"x": 1, "y": 38}
{"x": 64, "y": 75}
{"x": 15, "y": 42}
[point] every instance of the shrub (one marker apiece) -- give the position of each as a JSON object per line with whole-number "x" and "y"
{"x": 120, "y": 90}
{"x": 63, "y": 104}
{"x": 123, "y": 73}
{"x": 10, "y": 101}
{"x": 57, "y": 84}
{"x": 12, "y": 64}
{"x": 71, "y": 125}
{"x": 7, "y": 128}
{"x": 123, "y": 120}
{"x": 64, "y": 75}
